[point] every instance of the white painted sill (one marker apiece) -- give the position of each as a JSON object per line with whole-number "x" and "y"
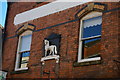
{"x": 20, "y": 69}
{"x": 89, "y": 59}
{"x": 50, "y": 57}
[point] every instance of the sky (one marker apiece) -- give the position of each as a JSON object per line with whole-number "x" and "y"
{"x": 3, "y": 11}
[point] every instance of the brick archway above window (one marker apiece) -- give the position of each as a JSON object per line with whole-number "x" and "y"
{"x": 24, "y": 28}
{"x": 99, "y": 7}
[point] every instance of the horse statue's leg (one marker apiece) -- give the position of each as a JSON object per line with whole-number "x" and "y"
{"x": 45, "y": 53}
{"x": 55, "y": 49}
{"x": 50, "y": 51}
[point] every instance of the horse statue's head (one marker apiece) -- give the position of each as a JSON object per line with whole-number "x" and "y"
{"x": 46, "y": 42}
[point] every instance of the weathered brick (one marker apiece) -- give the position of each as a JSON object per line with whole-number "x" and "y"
{"x": 68, "y": 45}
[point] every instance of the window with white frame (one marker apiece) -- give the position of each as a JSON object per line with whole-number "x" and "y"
{"x": 90, "y": 37}
{"x": 23, "y": 51}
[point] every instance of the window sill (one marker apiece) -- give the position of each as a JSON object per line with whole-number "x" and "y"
{"x": 50, "y": 57}
{"x": 87, "y": 62}
{"x": 18, "y": 71}
{"x": 21, "y": 69}
{"x": 90, "y": 59}
{"x": 56, "y": 57}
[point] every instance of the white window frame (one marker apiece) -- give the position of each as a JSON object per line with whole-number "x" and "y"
{"x": 88, "y": 16}
{"x": 28, "y": 32}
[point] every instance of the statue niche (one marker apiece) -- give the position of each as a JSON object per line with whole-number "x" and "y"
{"x": 51, "y": 48}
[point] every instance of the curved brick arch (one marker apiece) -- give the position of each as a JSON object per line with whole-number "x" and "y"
{"x": 98, "y": 7}
{"x": 25, "y": 27}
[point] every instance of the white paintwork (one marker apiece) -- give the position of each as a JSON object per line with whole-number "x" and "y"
{"x": 91, "y": 37}
{"x": 45, "y": 10}
{"x": 60, "y": 0}
{"x": 88, "y": 16}
{"x": 52, "y": 48}
{"x": 73, "y": 0}
{"x": 28, "y": 32}
{"x": 90, "y": 59}
{"x": 21, "y": 69}
{"x": 56, "y": 57}
{"x": 50, "y": 57}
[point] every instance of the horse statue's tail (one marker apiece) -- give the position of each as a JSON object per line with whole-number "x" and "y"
{"x": 55, "y": 49}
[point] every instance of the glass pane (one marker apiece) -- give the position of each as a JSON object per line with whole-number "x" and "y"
{"x": 25, "y": 43}
{"x": 92, "y": 27}
{"x": 91, "y": 48}
{"x": 24, "y": 65}
{"x": 25, "y": 54}
{"x": 24, "y": 59}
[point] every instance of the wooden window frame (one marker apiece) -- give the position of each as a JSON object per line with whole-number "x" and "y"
{"x": 28, "y": 32}
{"x": 88, "y": 16}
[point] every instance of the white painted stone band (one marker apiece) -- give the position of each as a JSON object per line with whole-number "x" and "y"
{"x": 59, "y": 0}
{"x": 45, "y": 10}
{"x": 48, "y": 9}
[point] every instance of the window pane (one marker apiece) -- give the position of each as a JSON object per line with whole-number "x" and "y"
{"x": 24, "y": 65}
{"x": 24, "y": 59}
{"x": 92, "y": 27}
{"x": 25, "y": 43}
{"x": 25, "y": 54}
{"x": 91, "y": 48}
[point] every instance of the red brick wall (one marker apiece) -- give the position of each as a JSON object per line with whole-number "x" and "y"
{"x": 68, "y": 46}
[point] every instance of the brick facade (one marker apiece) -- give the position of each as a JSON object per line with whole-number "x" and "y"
{"x": 69, "y": 29}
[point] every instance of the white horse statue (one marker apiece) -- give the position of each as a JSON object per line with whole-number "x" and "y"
{"x": 52, "y": 48}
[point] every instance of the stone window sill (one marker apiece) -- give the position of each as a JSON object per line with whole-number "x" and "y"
{"x": 87, "y": 63}
{"x": 19, "y": 71}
